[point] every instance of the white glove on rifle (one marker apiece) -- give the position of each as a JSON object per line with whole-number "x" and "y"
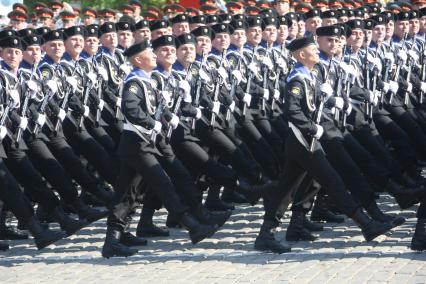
{"x": 14, "y": 96}
{"x": 413, "y": 55}
{"x": 276, "y": 94}
{"x": 204, "y": 76}
{"x": 238, "y": 77}
{"x": 320, "y": 131}
{"x": 253, "y": 68}
{"x": 185, "y": 91}
{"x": 32, "y": 85}
{"x": 402, "y": 56}
{"x": 103, "y": 73}
{"x": 166, "y": 96}
{"x": 393, "y": 87}
{"x": 3, "y": 132}
{"x": 389, "y": 56}
{"x": 86, "y": 111}
{"x": 72, "y": 81}
{"x": 232, "y": 106}
{"x": 423, "y": 87}
{"x": 157, "y": 127}
{"x": 281, "y": 63}
{"x": 247, "y": 99}
{"x": 41, "y": 119}
{"x": 92, "y": 77}
{"x": 52, "y": 86}
{"x": 174, "y": 122}
{"x": 222, "y": 73}
{"x": 199, "y": 113}
{"x": 24, "y": 123}
{"x": 327, "y": 90}
{"x": 125, "y": 68}
{"x": 268, "y": 62}
{"x": 216, "y": 107}
{"x": 62, "y": 114}
{"x": 118, "y": 103}
{"x": 266, "y": 94}
{"x": 386, "y": 87}
{"x": 409, "y": 88}
{"x": 348, "y": 110}
{"x": 101, "y": 104}
{"x": 338, "y": 103}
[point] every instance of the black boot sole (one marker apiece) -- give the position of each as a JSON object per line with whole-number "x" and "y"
{"x": 418, "y": 247}
{"x": 196, "y": 238}
{"x": 262, "y": 247}
{"x": 108, "y": 254}
{"x": 372, "y": 236}
{"x": 297, "y": 238}
{"x": 41, "y": 244}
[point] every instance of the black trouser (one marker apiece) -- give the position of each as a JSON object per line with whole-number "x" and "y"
{"x": 89, "y": 148}
{"x": 264, "y": 126}
{"x": 114, "y": 127}
{"x": 300, "y": 160}
{"x": 12, "y": 196}
{"x": 137, "y": 162}
{"x": 99, "y": 133}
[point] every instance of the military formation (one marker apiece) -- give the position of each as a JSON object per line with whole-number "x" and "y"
{"x": 317, "y": 108}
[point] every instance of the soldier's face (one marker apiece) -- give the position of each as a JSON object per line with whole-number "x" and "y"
{"x": 221, "y": 41}
{"x": 55, "y": 49}
{"x": 239, "y": 38}
{"x": 390, "y": 27}
{"x": 89, "y": 20}
{"x": 142, "y": 34}
{"x": 343, "y": 19}
{"x": 401, "y": 28}
{"x": 282, "y": 34}
{"x": 368, "y": 37}
{"x": 186, "y": 53}
{"x": 145, "y": 60}
{"x": 328, "y": 44}
{"x": 312, "y": 24}
{"x": 12, "y": 57}
{"x": 414, "y": 26}
{"x": 159, "y": 33}
{"x": 254, "y": 35}
{"x": 125, "y": 38}
{"x": 74, "y": 45}
{"x": 204, "y": 45}
{"x": 329, "y": 21}
{"x": 356, "y": 39}
{"x": 91, "y": 45}
{"x": 109, "y": 40}
{"x": 46, "y": 21}
{"x": 301, "y": 28}
{"x": 270, "y": 34}
{"x": 379, "y": 33}
{"x": 422, "y": 24}
{"x": 309, "y": 56}
{"x": 180, "y": 28}
{"x": 166, "y": 55}
{"x": 293, "y": 30}
{"x": 32, "y": 54}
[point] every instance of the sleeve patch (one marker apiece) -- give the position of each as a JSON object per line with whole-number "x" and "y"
{"x": 45, "y": 73}
{"x": 295, "y": 90}
{"x": 133, "y": 89}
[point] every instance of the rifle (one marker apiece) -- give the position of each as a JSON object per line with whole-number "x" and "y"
{"x": 217, "y": 89}
{"x": 199, "y": 84}
{"x": 157, "y": 116}
{"x": 232, "y": 92}
{"x": 264, "y": 85}
{"x": 347, "y": 89}
{"x": 423, "y": 72}
{"x": 339, "y": 83}
{"x": 6, "y": 112}
{"x": 250, "y": 78}
{"x": 398, "y": 68}
{"x": 410, "y": 62}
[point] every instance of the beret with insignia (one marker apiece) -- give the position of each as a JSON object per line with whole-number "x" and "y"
{"x": 181, "y": 18}
{"x": 224, "y": 18}
{"x": 198, "y": 19}
{"x": 53, "y": 35}
{"x": 158, "y": 24}
{"x": 32, "y": 40}
{"x": 312, "y": 13}
{"x": 369, "y": 24}
{"x": 42, "y": 31}
{"x": 359, "y": 13}
{"x": 422, "y": 12}
{"x": 203, "y": 31}
{"x": 284, "y": 21}
{"x": 254, "y": 21}
{"x": 128, "y": 19}
{"x": 345, "y": 29}
{"x": 140, "y": 25}
{"x": 380, "y": 19}
{"x": 269, "y": 21}
{"x": 11, "y": 42}
{"x": 355, "y": 24}
{"x": 8, "y": 33}
{"x": 329, "y": 14}
{"x": 342, "y": 13}
{"x": 25, "y": 32}
{"x": 413, "y": 14}
{"x": 220, "y": 29}
{"x": 292, "y": 16}
{"x": 137, "y": 48}
{"x": 329, "y": 31}
{"x": 73, "y": 31}
{"x": 239, "y": 17}
{"x": 185, "y": 39}
{"x": 300, "y": 43}
{"x": 123, "y": 26}
{"x": 237, "y": 25}
{"x": 165, "y": 40}
{"x": 211, "y": 19}
{"x": 91, "y": 31}
{"x": 108, "y": 27}
{"x": 389, "y": 15}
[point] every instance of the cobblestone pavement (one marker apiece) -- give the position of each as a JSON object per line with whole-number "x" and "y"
{"x": 339, "y": 256}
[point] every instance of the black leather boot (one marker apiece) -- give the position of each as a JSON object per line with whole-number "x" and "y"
{"x": 204, "y": 216}
{"x": 42, "y": 237}
{"x": 69, "y": 225}
{"x": 90, "y": 199}
{"x": 130, "y": 240}
{"x": 252, "y": 193}
{"x": 370, "y": 228}
{"x": 197, "y": 231}
{"x": 146, "y": 228}
{"x": 418, "y": 242}
{"x": 320, "y": 212}
{"x": 10, "y": 232}
{"x": 4, "y": 246}
{"x": 112, "y": 246}
{"x": 296, "y": 231}
{"x": 312, "y": 226}
{"x": 266, "y": 241}
{"x": 172, "y": 221}
{"x": 214, "y": 203}
{"x": 86, "y": 212}
{"x": 104, "y": 194}
{"x": 405, "y": 197}
{"x": 374, "y": 211}
{"x": 229, "y": 195}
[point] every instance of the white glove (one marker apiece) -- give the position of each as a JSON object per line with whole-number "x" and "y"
{"x": 276, "y": 94}
{"x": 393, "y": 87}
{"x": 247, "y": 99}
{"x": 423, "y": 87}
{"x": 52, "y": 86}
{"x": 24, "y": 123}
{"x": 410, "y": 87}
{"x": 101, "y": 104}
{"x": 166, "y": 96}
{"x": 216, "y": 107}
{"x": 125, "y": 68}
{"x": 92, "y": 77}
{"x": 86, "y": 111}
{"x": 32, "y": 85}
{"x": 118, "y": 103}
{"x": 3, "y": 132}
{"x": 238, "y": 77}
{"x": 281, "y": 63}
{"x": 72, "y": 81}
{"x": 14, "y": 95}
{"x": 266, "y": 94}
{"x": 157, "y": 127}
{"x": 348, "y": 110}
{"x": 103, "y": 73}
{"x": 339, "y": 102}
{"x": 268, "y": 62}
{"x": 232, "y": 106}
{"x": 402, "y": 56}
{"x": 41, "y": 119}
{"x": 413, "y": 55}
{"x": 375, "y": 101}
{"x": 222, "y": 73}
{"x": 199, "y": 113}
{"x": 62, "y": 114}
{"x": 204, "y": 76}
{"x": 386, "y": 87}
{"x": 389, "y": 56}
{"x": 327, "y": 90}
{"x": 174, "y": 122}
{"x": 253, "y": 68}
{"x": 320, "y": 131}
{"x": 185, "y": 91}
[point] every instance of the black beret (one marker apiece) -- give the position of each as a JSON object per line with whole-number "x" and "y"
{"x": 185, "y": 39}
{"x": 285, "y": 21}
{"x": 11, "y": 42}
{"x": 137, "y": 48}
{"x": 414, "y": 14}
{"x": 32, "y": 40}
{"x": 198, "y": 19}
{"x": 403, "y": 16}
{"x": 128, "y": 19}
{"x": 165, "y": 40}
{"x": 108, "y": 27}
{"x": 237, "y": 25}
{"x": 345, "y": 29}
{"x": 91, "y": 31}
{"x": 312, "y": 13}
{"x": 380, "y": 19}
{"x": 211, "y": 19}
{"x": 181, "y": 18}
{"x": 25, "y": 32}
{"x": 329, "y": 31}
{"x": 292, "y": 16}
{"x": 254, "y": 21}
{"x": 358, "y": 13}
{"x": 123, "y": 26}
{"x": 343, "y": 12}
{"x": 269, "y": 21}
{"x": 369, "y": 24}
{"x": 422, "y": 12}
{"x": 42, "y": 30}
{"x": 239, "y": 17}
{"x": 7, "y": 33}
{"x": 203, "y": 31}
{"x": 300, "y": 43}
{"x": 72, "y": 31}
{"x": 140, "y": 25}
{"x": 220, "y": 28}
{"x": 225, "y": 18}
{"x": 329, "y": 14}
{"x": 53, "y": 35}
{"x": 355, "y": 24}
{"x": 158, "y": 24}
